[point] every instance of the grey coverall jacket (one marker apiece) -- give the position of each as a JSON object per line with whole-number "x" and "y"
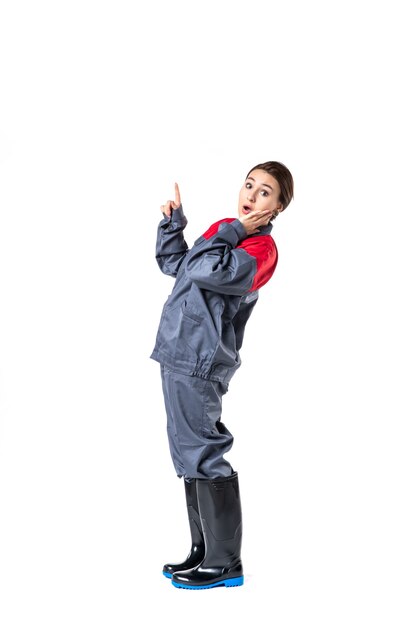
{"x": 216, "y": 288}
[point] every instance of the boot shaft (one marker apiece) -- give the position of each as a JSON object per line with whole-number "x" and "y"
{"x": 191, "y": 499}
{"x": 221, "y": 519}
{"x": 197, "y": 550}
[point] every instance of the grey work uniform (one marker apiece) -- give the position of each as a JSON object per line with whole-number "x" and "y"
{"x": 201, "y": 332}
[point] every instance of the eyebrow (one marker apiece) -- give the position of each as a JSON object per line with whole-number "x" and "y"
{"x": 264, "y": 184}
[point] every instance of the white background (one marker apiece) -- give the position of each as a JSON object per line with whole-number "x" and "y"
{"x": 104, "y": 105}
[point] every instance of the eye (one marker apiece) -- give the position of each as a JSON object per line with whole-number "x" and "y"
{"x": 264, "y": 193}
{"x": 248, "y": 186}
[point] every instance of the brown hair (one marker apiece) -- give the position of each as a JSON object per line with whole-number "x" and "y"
{"x": 282, "y": 175}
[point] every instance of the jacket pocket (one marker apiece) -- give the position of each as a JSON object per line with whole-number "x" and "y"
{"x": 193, "y": 344}
{"x": 187, "y": 313}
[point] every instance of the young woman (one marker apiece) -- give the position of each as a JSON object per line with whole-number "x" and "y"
{"x": 200, "y": 334}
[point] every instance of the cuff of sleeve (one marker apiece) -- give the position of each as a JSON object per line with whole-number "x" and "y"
{"x": 178, "y": 216}
{"x": 232, "y": 232}
{"x": 240, "y": 229}
{"x": 177, "y": 220}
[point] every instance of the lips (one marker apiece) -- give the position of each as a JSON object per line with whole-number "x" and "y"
{"x": 246, "y": 209}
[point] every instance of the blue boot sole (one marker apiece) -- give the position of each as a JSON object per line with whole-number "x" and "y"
{"x": 167, "y": 574}
{"x": 229, "y": 582}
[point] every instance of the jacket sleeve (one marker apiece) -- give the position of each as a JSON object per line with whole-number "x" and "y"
{"x": 217, "y": 264}
{"x": 171, "y": 246}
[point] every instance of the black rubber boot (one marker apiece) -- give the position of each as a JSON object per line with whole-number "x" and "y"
{"x": 221, "y": 518}
{"x": 196, "y": 554}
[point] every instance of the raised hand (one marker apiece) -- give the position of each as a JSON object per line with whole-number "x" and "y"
{"x": 255, "y": 219}
{"x": 168, "y": 207}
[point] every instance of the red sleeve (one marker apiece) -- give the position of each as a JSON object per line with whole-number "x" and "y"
{"x": 264, "y": 250}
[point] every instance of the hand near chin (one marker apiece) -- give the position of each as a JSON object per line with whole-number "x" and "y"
{"x": 170, "y": 205}
{"x": 254, "y": 220}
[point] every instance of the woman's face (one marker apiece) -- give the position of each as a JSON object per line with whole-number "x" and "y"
{"x": 260, "y": 192}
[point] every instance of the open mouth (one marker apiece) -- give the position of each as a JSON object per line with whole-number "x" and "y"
{"x": 246, "y": 209}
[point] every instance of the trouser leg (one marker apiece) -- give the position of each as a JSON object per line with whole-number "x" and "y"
{"x": 173, "y": 441}
{"x": 198, "y": 438}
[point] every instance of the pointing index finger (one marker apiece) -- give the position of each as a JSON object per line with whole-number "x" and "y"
{"x": 177, "y": 195}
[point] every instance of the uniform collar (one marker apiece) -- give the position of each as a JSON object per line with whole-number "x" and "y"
{"x": 265, "y": 230}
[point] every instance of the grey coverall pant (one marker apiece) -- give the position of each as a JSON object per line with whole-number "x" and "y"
{"x": 197, "y": 437}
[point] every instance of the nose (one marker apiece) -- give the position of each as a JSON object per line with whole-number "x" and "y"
{"x": 251, "y": 196}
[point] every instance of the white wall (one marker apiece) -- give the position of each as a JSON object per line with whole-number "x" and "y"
{"x": 104, "y": 105}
